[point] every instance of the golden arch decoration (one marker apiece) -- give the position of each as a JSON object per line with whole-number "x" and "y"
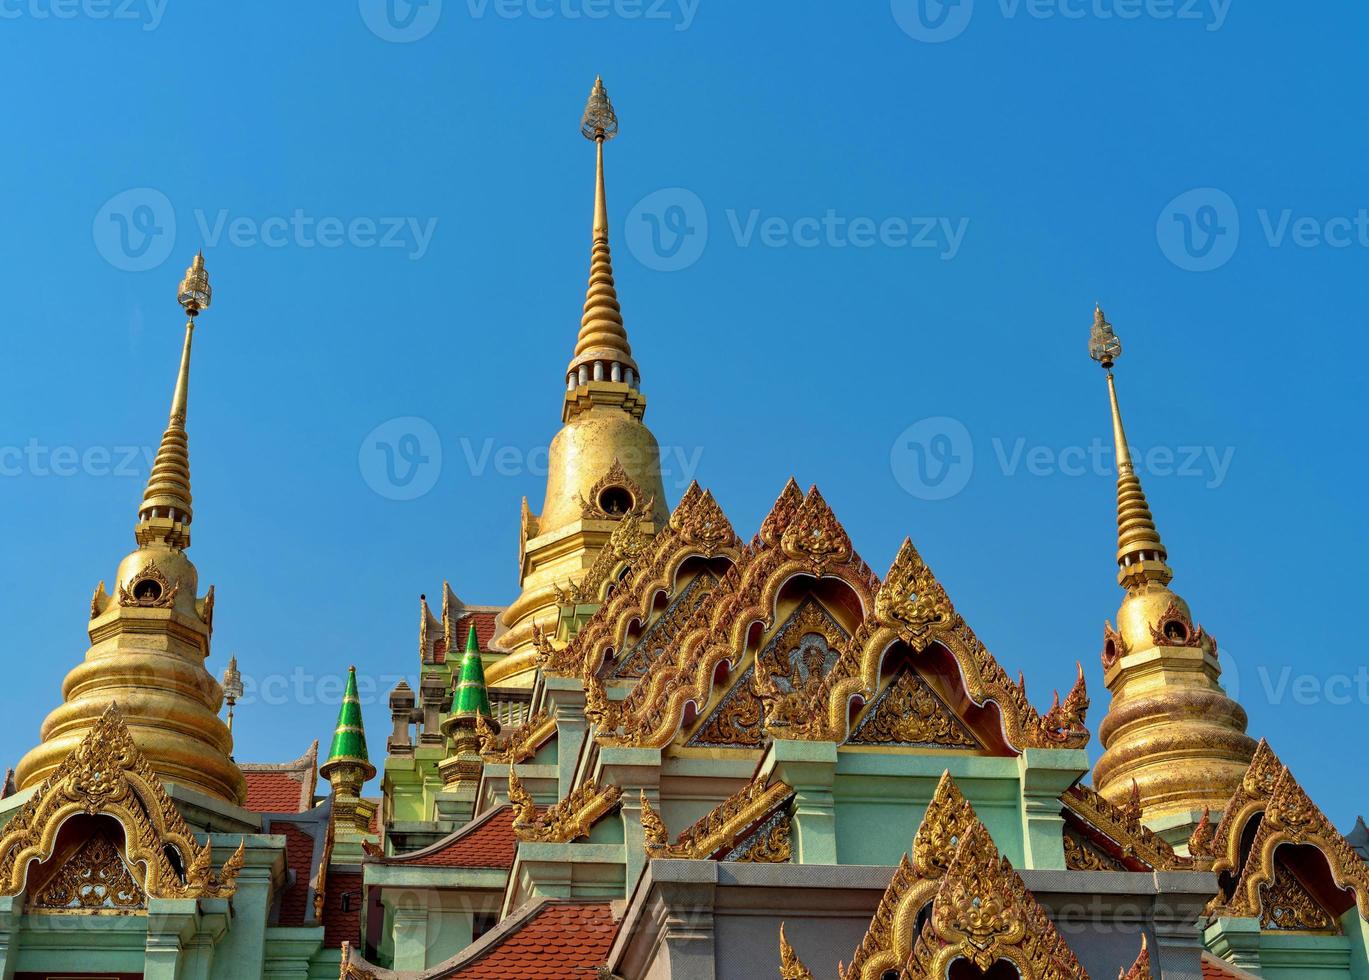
{"x": 106, "y": 775}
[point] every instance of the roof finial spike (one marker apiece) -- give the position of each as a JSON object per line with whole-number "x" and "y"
{"x": 168, "y": 486}
{"x": 1141, "y": 556}
{"x": 602, "y": 351}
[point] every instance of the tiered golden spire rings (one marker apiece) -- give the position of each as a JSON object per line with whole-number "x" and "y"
{"x": 1141, "y": 556}
{"x": 194, "y": 294}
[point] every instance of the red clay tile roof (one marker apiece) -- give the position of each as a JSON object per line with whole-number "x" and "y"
{"x": 285, "y": 787}
{"x": 341, "y": 926}
{"x": 484, "y": 623}
{"x": 299, "y": 858}
{"x": 561, "y": 940}
{"x": 486, "y": 842}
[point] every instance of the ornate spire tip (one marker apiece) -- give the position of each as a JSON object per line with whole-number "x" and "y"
{"x": 600, "y": 122}
{"x": 194, "y": 293}
{"x": 1104, "y": 347}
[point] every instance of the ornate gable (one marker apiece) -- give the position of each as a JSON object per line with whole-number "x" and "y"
{"x": 697, "y": 529}
{"x": 106, "y": 775}
{"x": 794, "y": 541}
{"x": 751, "y": 825}
{"x": 1268, "y": 885}
{"x": 1100, "y": 836}
{"x": 912, "y": 607}
{"x": 568, "y": 820}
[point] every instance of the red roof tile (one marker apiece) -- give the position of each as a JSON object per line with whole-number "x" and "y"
{"x": 273, "y": 792}
{"x": 561, "y": 940}
{"x": 1215, "y": 969}
{"x": 299, "y": 858}
{"x": 484, "y": 623}
{"x": 486, "y": 842}
{"x": 342, "y": 925}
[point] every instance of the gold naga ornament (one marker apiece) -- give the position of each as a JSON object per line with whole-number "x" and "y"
{"x": 107, "y": 776}
{"x": 752, "y": 826}
{"x": 568, "y": 820}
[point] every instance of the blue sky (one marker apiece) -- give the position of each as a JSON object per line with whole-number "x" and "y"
{"x": 857, "y": 242}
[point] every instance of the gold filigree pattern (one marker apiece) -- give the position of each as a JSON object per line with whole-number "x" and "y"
{"x": 654, "y": 832}
{"x": 911, "y": 600}
{"x": 1286, "y": 904}
{"x": 770, "y": 843}
{"x": 1114, "y": 645}
{"x": 658, "y": 636}
{"x": 1290, "y": 817}
{"x": 615, "y": 478}
{"x": 857, "y": 673}
{"x": 570, "y": 819}
{"x": 106, "y": 774}
{"x": 908, "y": 712}
{"x": 94, "y": 878}
{"x": 983, "y": 913}
{"x": 151, "y": 589}
{"x": 1176, "y": 629}
{"x": 517, "y": 745}
{"x": 791, "y": 967}
{"x": 697, "y": 528}
{"x": 1080, "y": 855}
{"x": 1130, "y": 842}
{"x": 815, "y": 536}
{"x": 722, "y": 830}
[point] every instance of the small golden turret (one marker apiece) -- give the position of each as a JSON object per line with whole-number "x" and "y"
{"x": 604, "y": 465}
{"x": 150, "y": 639}
{"x": 1171, "y": 734}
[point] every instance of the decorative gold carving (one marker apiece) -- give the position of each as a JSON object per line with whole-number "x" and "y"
{"x": 770, "y": 843}
{"x": 1200, "y": 842}
{"x": 616, "y": 477}
{"x": 736, "y": 721}
{"x": 1251, "y": 798}
{"x": 791, "y": 967}
{"x": 908, "y": 712}
{"x": 518, "y": 744}
{"x": 1114, "y": 645}
{"x": 603, "y": 712}
{"x": 786, "y": 505}
{"x": 1286, "y": 904}
{"x": 911, "y": 599}
{"x": 95, "y": 878}
{"x": 857, "y": 674}
{"x": 662, "y": 633}
{"x": 1140, "y": 970}
{"x": 106, "y": 774}
{"x": 1132, "y": 844}
{"x": 948, "y": 818}
{"x": 703, "y": 524}
{"x": 99, "y": 602}
{"x": 1290, "y": 817}
{"x": 983, "y": 913}
{"x": 815, "y": 536}
{"x": 1176, "y": 629}
{"x": 151, "y": 589}
{"x": 654, "y": 832}
{"x": 1080, "y": 855}
{"x": 625, "y": 546}
{"x": 570, "y": 819}
{"x": 723, "y": 830}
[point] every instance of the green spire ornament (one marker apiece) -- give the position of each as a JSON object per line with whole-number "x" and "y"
{"x": 349, "y": 738}
{"x": 470, "y": 698}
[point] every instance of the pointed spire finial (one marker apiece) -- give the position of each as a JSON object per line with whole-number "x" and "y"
{"x": 470, "y": 697}
{"x": 348, "y": 748}
{"x": 166, "y": 513}
{"x": 602, "y": 351}
{"x": 1141, "y": 556}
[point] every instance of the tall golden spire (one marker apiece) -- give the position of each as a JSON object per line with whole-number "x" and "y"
{"x": 1171, "y": 734}
{"x": 602, "y": 351}
{"x": 1140, "y": 553}
{"x": 149, "y": 640}
{"x": 166, "y": 512}
{"x": 604, "y": 466}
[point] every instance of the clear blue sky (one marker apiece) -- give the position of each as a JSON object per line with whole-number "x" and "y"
{"x": 776, "y": 288}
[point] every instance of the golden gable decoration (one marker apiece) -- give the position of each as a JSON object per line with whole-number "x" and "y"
{"x": 726, "y": 831}
{"x": 151, "y": 589}
{"x": 980, "y": 909}
{"x": 912, "y": 606}
{"x": 696, "y": 528}
{"x": 791, "y": 967}
{"x": 1290, "y": 817}
{"x": 909, "y": 712}
{"x": 718, "y": 632}
{"x": 94, "y": 878}
{"x": 518, "y": 744}
{"x": 616, "y": 478}
{"x": 1118, "y": 833}
{"x": 566, "y": 821}
{"x": 106, "y": 775}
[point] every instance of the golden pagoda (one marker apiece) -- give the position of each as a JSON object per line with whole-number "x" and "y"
{"x": 604, "y": 466}
{"x": 149, "y": 639}
{"x": 1172, "y": 735}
